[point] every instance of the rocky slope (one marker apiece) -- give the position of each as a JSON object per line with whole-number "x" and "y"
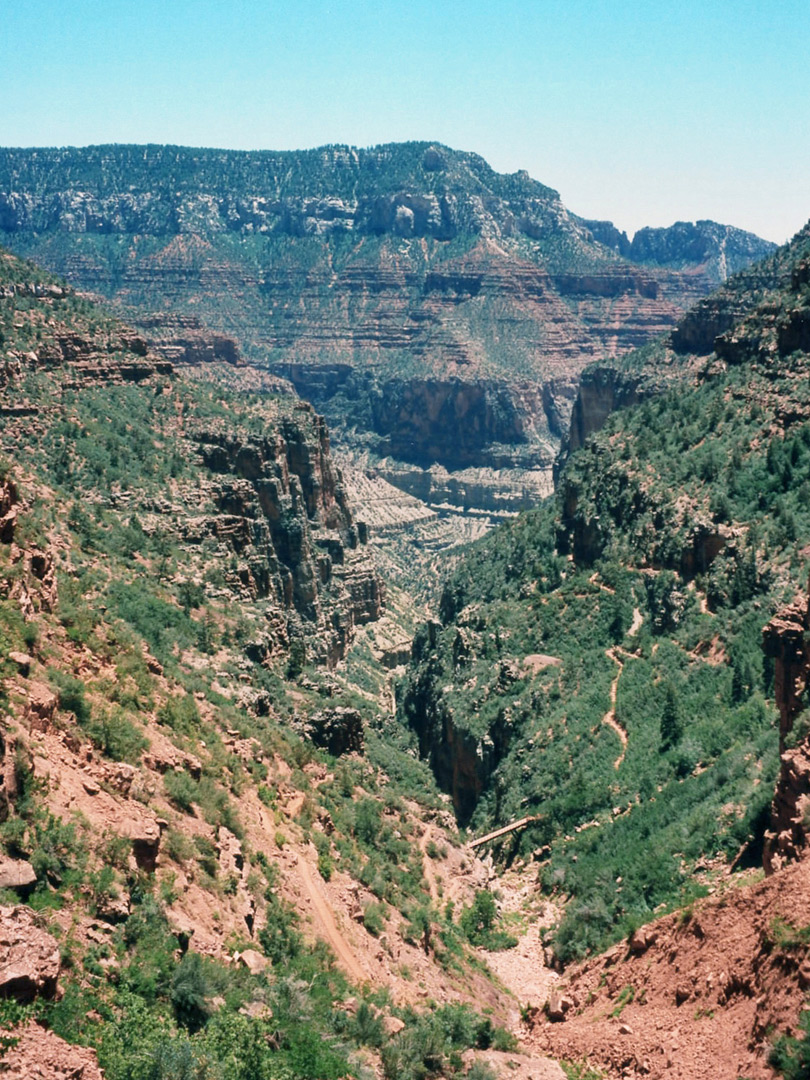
{"x": 437, "y": 312}
{"x": 617, "y": 382}
{"x": 693, "y": 995}
{"x": 218, "y": 855}
{"x": 273, "y": 503}
{"x": 596, "y": 674}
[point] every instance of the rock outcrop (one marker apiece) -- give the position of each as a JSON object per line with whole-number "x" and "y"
{"x": 182, "y": 339}
{"x": 276, "y": 505}
{"x": 39, "y": 1054}
{"x": 29, "y": 957}
{"x": 338, "y": 731}
{"x": 282, "y": 509}
{"x": 786, "y": 640}
{"x": 715, "y": 323}
{"x": 601, "y": 391}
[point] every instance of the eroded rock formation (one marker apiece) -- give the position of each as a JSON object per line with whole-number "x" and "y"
{"x": 786, "y": 640}
{"x": 282, "y": 510}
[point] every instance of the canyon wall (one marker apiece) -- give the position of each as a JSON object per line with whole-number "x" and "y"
{"x": 438, "y": 313}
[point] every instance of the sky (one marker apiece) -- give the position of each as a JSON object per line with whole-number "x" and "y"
{"x": 643, "y": 113}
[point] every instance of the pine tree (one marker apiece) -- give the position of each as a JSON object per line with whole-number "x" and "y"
{"x": 671, "y": 722}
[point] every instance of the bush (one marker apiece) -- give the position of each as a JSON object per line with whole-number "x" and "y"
{"x": 117, "y": 737}
{"x": 478, "y": 924}
{"x": 374, "y": 918}
{"x": 188, "y": 992}
{"x": 182, "y": 790}
{"x": 71, "y": 694}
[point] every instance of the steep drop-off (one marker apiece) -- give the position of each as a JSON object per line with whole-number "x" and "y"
{"x": 617, "y": 382}
{"x": 267, "y": 498}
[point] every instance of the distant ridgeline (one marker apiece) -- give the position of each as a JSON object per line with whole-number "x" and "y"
{"x": 437, "y": 312}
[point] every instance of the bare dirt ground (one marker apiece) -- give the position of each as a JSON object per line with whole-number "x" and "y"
{"x": 697, "y": 995}
{"x": 325, "y": 922}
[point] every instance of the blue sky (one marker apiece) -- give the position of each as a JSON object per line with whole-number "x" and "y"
{"x": 641, "y": 112}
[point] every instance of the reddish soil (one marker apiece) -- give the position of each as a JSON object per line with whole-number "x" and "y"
{"x": 696, "y": 995}
{"x": 41, "y": 1055}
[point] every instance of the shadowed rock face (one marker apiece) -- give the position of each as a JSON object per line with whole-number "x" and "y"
{"x": 282, "y": 508}
{"x": 785, "y": 640}
{"x": 435, "y": 310}
{"x": 462, "y": 762}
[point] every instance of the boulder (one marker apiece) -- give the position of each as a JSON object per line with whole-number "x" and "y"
{"x": 558, "y": 1005}
{"x": 29, "y": 957}
{"x": 338, "y": 730}
{"x": 17, "y": 874}
{"x": 642, "y": 939}
{"x": 113, "y": 908}
{"x": 254, "y": 961}
{"x": 229, "y": 853}
{"x": 392, "y": 1025}
{"x": 42, "y": 706}
{"x": 41, "y": 1055}
{"x": 144, "y": 832}
{"x": 23, "y": 662}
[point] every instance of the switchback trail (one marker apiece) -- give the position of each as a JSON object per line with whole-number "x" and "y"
{"x": 610, "y": 716}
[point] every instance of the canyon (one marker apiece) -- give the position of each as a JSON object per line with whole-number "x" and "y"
{"x": 258, "y": 805}
{"x": 436, "y": 312}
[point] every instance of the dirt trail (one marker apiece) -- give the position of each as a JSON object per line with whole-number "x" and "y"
{"x": 610, "y": 716}
{"x": 323, "y": 913}
{"x": 638, "y": 622}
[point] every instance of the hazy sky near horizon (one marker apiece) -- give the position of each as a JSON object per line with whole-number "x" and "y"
{"x": 640, "y": 111}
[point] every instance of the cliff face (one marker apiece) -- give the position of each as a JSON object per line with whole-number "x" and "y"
{"x": 282, "y": 510}
{"x": 716, "y": 323}
{"x": 601, "y": 391}
{"x": 462, "y": 761}
{"x": 719, "y": 250}
{"x": 433, "y": 309}
{"x": 785, "y": 640}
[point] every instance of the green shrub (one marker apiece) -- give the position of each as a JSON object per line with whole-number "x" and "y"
{"x": 189, "y": 988}
{"x": 478, "y": 924}
{"x": 374, "y": 918}
{"x": 117, "y": 736}
{"x": 71, "y": 693}
{"x": 182, "y": 790}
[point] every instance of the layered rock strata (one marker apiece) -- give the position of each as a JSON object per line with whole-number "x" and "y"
{"x": 282, "y": 509}
{"x": 435, "y": 310}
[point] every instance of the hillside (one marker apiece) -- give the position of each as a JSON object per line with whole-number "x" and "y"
{"x": 437, "y": 312}
{"x": 219, "y": 857}
{"x": 598, "y": 665}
